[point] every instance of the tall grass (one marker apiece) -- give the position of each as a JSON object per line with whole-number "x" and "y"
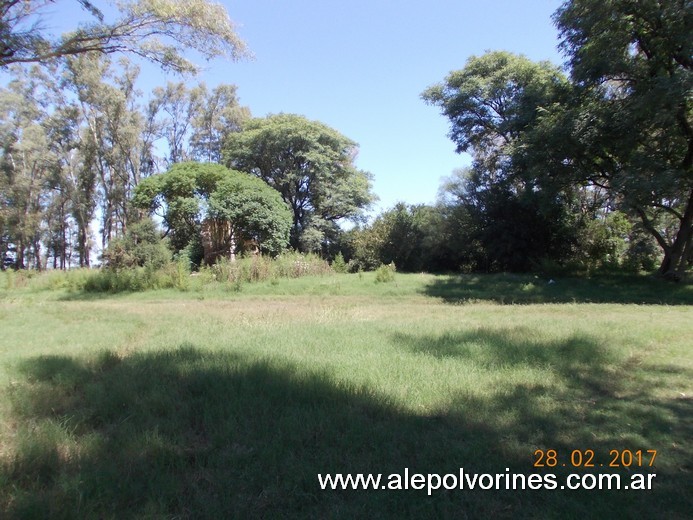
{"x": 174, "y": 275}
{"x": 261, "y": 268}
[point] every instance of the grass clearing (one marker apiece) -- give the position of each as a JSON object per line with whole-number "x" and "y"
{"x": 214, "y": 403}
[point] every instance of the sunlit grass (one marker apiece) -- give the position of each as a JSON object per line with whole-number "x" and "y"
{"x": 217, "y": 403}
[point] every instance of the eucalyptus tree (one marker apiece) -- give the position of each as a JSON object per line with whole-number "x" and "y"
{"x": 194, "y": 121}
{"x": 157, "y": 30}
{"x": 117, "y": 139}
{"x": 218, "y": 113}
{"x": 25, "y": 164}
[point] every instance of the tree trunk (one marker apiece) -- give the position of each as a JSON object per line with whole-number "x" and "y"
{"x": 676, "y": 258}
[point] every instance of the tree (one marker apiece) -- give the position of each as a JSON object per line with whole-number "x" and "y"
{"x": 310, "y": 164}
{"x": 254, "y": 211}
{"x": 26, "y": 164}
{"x": 117, "y": 139}
{"x": 218, "y": 114}
{"x": 492, "y": 101}
{"x": 515, "y": 216}
{"x": 196, "y": 121}
{"x": 226, "y": 210}
{"x": 141, "y": 246}
{"x": 157, "y": 30}
{"x": 631, "y": 62}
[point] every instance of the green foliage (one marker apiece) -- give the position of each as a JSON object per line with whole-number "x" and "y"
{"x": 511, "y": 218}
{"x": 192, "y": 192}
{"x": 406, "y": 235}
{"x": 254, "y": 210}
{"x": 159, "y": 31}
{"x": 632, "y": 62}
{"x": 339, "y": 265}
{"x": 492, "y": 99}
{"x": 604, "y": 241}
{"x": 309, "y": 163}
{"x": 141, "y": 246}
{"x": 385, "y": 273}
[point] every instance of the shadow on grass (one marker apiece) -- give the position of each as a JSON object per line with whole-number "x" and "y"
{"x": 586, "y": 398}
{"x": 528, "y": 289}
{"x": 190, "y": 433}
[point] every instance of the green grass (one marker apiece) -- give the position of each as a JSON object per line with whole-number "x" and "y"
{"x": 218, "y": 403}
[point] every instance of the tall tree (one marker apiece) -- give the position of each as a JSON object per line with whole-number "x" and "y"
{"x": 218, "y": 113}
{"x": 117, "y": 139}
{"x": 194, "y": 121}
{"x": 632, "y": 130}
{"x": 492, "y": 101}
{"x": 517, "y": 216}
{"x": 158, "y": 30}
{"x": 310, "y": 164}
{"x": 26, "y": 164}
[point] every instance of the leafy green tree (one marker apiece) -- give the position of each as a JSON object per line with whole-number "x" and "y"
{"x": 409, "y": 236}
{"x": 516, "y": 217}
{"x": 492, "y": 101}
{"x": 158, "y": 30}
{"x": 254, "y": 210}
{"x": 310, "y": 164}
{"x": 631, "y": 129}
{"x": 232, "y": 207}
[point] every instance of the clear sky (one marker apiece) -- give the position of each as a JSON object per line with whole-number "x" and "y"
{"x": 360, "y": 66}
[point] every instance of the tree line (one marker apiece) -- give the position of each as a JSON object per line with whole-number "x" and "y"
{"x": 577, "y": 170}
{"x": 553, "y": 153}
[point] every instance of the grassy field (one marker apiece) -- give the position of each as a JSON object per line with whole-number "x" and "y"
{"x": 218, "y": 403}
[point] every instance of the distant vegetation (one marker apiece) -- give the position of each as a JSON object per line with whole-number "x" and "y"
{"x": 560, "y": 183}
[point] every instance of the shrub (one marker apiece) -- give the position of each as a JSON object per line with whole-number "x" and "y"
{"x": 295, "y": 265}
{"x": 338, "y": 264}
{"x": 385, "y": 273}
{"x": 140, "y": 247}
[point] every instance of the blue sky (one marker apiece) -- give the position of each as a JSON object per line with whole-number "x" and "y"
{"x": 360, "y": 66}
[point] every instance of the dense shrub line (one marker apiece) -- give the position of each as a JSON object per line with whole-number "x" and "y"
{"x": 172, "y": 275}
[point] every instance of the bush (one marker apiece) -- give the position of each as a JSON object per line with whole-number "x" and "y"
{"x": 140, "y": 247}
{"x": 338, "y": 264}
{"x": 385, "y": 273}
{"x": 296, "y": 265}
{"x": 262, "y": 268}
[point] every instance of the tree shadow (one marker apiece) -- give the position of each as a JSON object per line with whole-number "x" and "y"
{"x": 190, "y": 433}
{"x": 590, "y": 399}
{"x": 529, "y": 289}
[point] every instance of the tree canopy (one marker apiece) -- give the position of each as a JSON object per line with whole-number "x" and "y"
{"x": 309, "y": 163}
{"x": 230, "y": 207}
{"x": 157, "y": 30}
{"x": 619, "y": 131}
{"x": 517, "y": 217}
{"x": 631, "y": 132}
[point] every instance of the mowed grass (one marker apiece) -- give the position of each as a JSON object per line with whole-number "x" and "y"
{"x": 214, "y": 403}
